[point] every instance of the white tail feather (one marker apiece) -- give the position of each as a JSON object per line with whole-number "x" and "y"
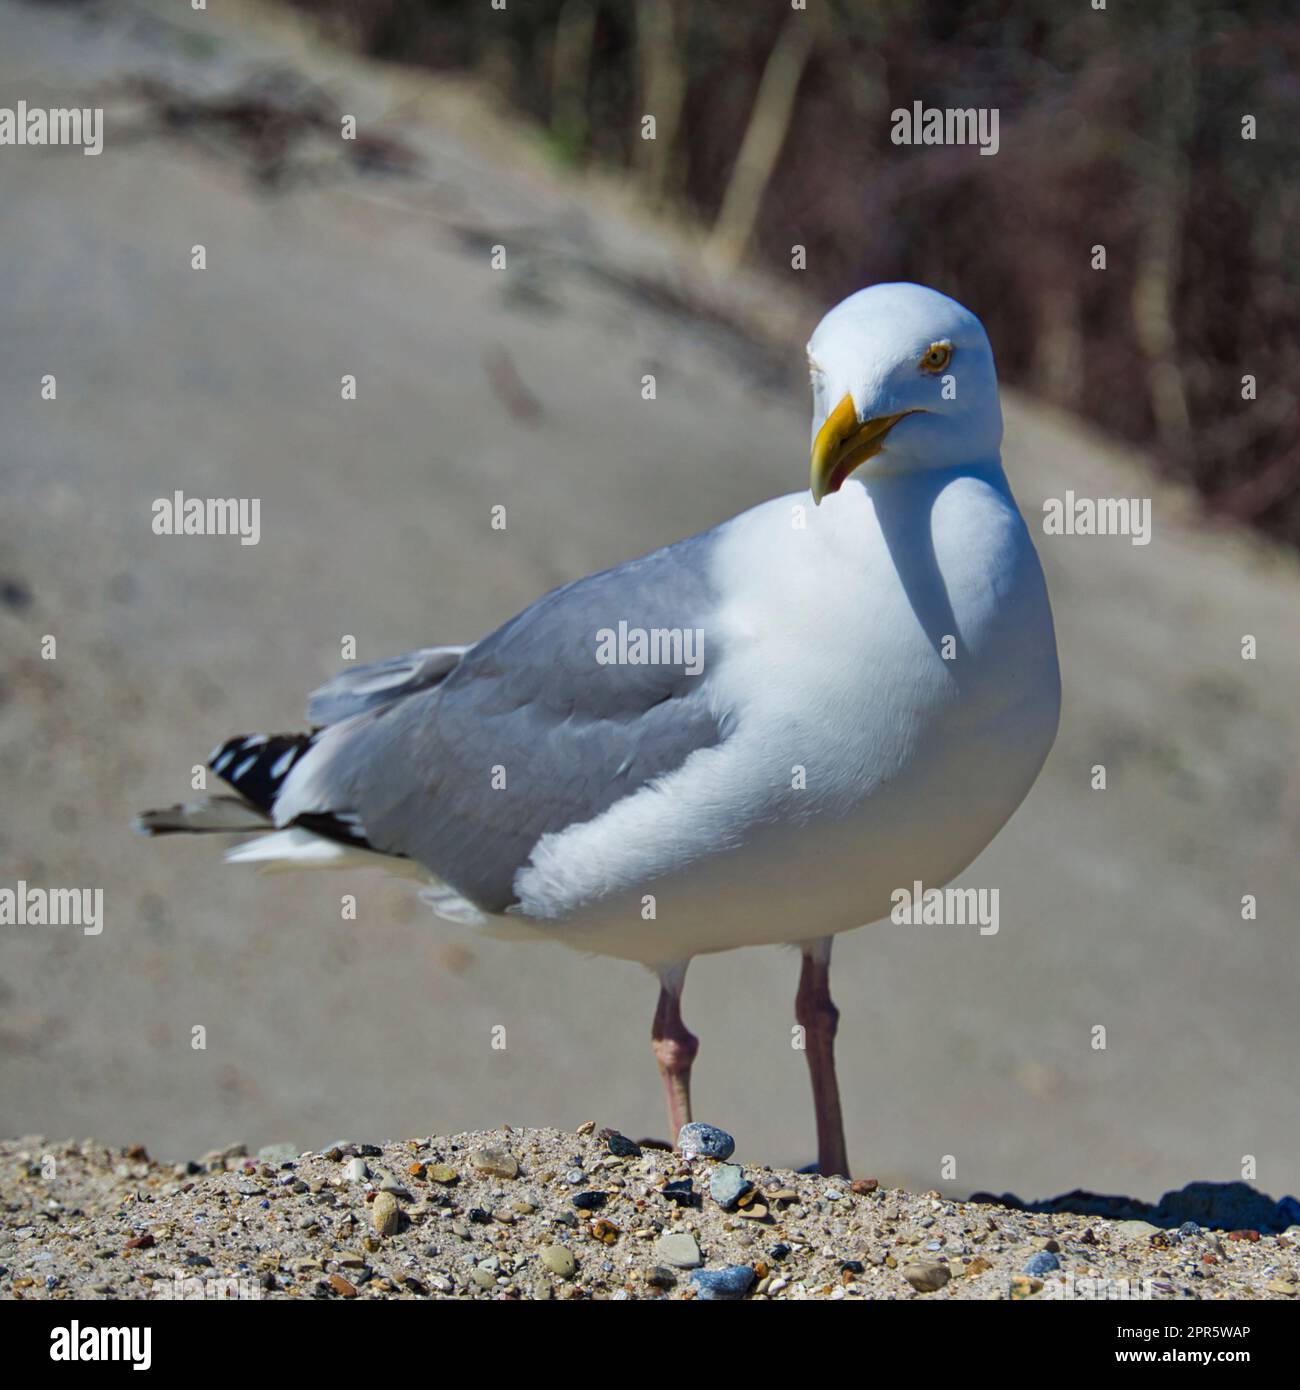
{"x": 296, "y": 848}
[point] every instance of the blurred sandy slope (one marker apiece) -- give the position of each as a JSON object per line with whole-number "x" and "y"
{"x": 1118, "y": 908}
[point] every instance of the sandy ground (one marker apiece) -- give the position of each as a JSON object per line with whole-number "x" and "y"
{"x": 967, "y": 1062}
{"x": 540, "y": 1214}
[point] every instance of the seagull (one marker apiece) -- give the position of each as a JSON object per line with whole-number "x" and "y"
{"x": 755, "y": 736}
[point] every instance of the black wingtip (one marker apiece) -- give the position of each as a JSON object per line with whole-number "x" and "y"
{"x": 256, "y": 765}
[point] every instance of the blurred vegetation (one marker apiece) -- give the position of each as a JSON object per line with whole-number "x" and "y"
{"x": 1120, "y": 127}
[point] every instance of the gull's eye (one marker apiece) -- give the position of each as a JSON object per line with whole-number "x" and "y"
{"x": 937, "y": 357}
{"x": 817, "y": 379}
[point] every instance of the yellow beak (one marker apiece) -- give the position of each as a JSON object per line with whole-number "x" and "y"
{"x": 842, "y": 444}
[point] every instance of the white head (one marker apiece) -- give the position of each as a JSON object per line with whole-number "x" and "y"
{"x": 907, "y": 365}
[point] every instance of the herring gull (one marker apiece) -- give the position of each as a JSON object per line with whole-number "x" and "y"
{"x": 754, "y": 736}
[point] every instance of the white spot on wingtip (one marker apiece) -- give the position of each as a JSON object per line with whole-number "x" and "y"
{"x": 243, "y": 768}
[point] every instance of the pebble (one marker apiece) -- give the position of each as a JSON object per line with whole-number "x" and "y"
{"x": 679, "y": 1249}
{"x": 698, "y": 1140}
{"x": 350, "y": 1241}
{"x": 497, "y": 1163}
{"x": 278, "y": 1153}
{"x": 386, "y": 1214}
{"x": 1135, "y": 1230}
{"x": 622, "y": 1147}
{"x": 928, "y": 1277}
{"x": 356, "y": 1170}
{"x": 727, "y": 1183}
{"x": 716, "y": 1285}
{"x": 559, "y": 1260}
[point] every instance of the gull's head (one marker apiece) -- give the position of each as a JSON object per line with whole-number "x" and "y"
{"x": 903, "y": 379}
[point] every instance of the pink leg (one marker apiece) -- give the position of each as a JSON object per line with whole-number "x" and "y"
{"x": 819, "y": 1019}
{"x": 675, "y": 1048}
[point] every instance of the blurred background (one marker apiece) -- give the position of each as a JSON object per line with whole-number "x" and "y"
{"x": 1122, "y": 127}
{"x": 479, "y": 387}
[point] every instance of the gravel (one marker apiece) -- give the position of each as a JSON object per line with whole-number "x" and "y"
{"x": 492, "y": 1215}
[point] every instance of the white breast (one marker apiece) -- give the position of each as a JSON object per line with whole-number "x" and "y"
{"x": 889, "y": 664}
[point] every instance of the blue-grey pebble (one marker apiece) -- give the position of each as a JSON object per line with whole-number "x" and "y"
{"x": 716, "y": 1285}
{"x": 1044, "y": 1262}
{"x": 727, "y": 1184}
{"x": 706, "y": 1141}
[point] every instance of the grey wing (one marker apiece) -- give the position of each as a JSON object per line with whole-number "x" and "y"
{"x": 380, "y": 683}
{"x": 528, "y": 732}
